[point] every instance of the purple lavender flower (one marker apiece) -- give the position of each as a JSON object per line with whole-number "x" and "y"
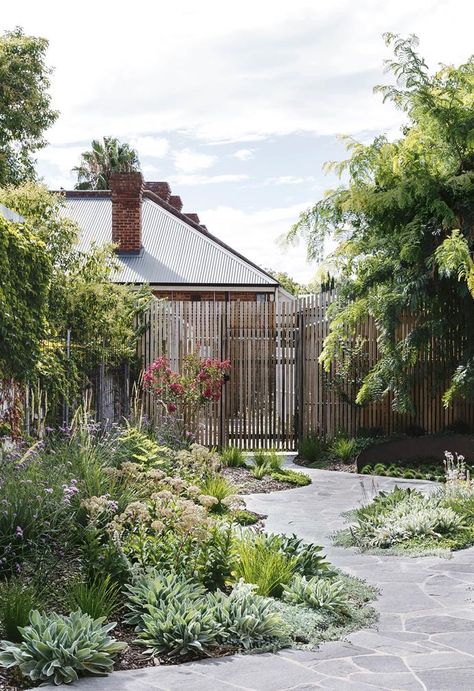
{"x": 19, "y": 531}
{"x": 48, "y": 490}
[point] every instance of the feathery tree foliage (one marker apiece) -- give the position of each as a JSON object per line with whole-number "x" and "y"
{"x": 105, "y": 157}
{"x": 398, "y": 256}
{"x": 25, "y": 105}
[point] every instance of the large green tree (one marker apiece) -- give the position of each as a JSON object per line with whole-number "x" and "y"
{"x": 103, "y": 318}
{"x": 25, "y": 104}
{"x": 394, "y": 219}
{"x": 104, "y": 158}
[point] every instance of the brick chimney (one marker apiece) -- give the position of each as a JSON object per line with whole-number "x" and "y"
{"x": 175, "y": 201}
{"x": 161, "y": 189}
{"x": 127, "y": 191}
{"x": 193, "y": 217}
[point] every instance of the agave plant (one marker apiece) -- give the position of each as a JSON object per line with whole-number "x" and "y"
{"x": 58, "y": 649}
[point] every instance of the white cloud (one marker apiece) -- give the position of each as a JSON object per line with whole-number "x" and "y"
{"x": 155, "y": 147}
{"x": 206, "y": 179}
{"x": 64, "y": 158}
{"x": 243, "y": 154}
{"x": 232, "y": 72}
{"x": 189, "y": 161}
{"x": 288, "y": 180}
{"x": 256, "y": 234}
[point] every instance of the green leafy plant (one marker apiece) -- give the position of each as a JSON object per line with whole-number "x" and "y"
{"x": 343, "y": 449}
{"x": 180, "y": 628}
{"x": 58, "y": 649}
{"x": 98, "y": 598}
{"x": 245, "y": 517}
{"x": 222, "y": 490}
{"x": 260, "y": 562}
{"x": 233, "y": 457}
{"x": 247, "y": 620}
{"x": 136, "y": 446}
{"x": 293, "y": 477}
{"x": 319, "y": 593}
{"x": 309, "y": 560}
{"x": 157, "y": 589}
{"x": 17, "y": 599}
{"x": 268, "y": 458}
{"x": 312, "y": 448}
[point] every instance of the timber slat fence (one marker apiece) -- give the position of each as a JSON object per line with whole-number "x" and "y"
{"x": 277, "y": 390}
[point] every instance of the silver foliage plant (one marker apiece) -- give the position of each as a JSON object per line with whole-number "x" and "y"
{"x": 317, "y": 593}
{"x": 58, "y": 648}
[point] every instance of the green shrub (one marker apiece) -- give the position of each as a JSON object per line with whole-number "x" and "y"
{"x": 401, "y": 516}
{"x": 268, "y": 458}
{"x": 98, "y": 598}
{"x": 16, "y": 602}
{"x": 157, "y": 589}
{"x": 367, "y": 470}
{"x": 312, "y": 448}
{"x": 307, "y": 557}
{"x": 216, "y": 557}
{"x": 245, "y": 517}
{"x": 233, "y": 457}
{"x": 247, "y": 620}
{"x": 260, "y": 562}
{"x": 58, "y": 649}
{"x": 318, "y": 593}
{"x": 343, "y": 449}
{"x": 293, "y": 477}
{"x": 180, "y": 628}
{"x": 221, "y": 489}
{"x": 137, "y": 447}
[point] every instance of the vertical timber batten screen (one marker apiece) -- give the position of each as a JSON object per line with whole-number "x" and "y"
{"x": 257, "y": 406}
{"x": 277, "y": 390}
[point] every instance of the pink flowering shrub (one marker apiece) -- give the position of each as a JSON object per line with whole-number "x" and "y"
{"x": 199, "y": 382}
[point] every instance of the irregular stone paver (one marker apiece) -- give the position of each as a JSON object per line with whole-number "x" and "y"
{"x": 423, "y": 640}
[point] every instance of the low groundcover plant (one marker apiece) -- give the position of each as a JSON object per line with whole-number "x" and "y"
{"x": 411, "y": 520}
{"x": 58, "y": 648}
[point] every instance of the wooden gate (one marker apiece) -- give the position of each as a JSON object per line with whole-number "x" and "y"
{"x": 257, "y": 409}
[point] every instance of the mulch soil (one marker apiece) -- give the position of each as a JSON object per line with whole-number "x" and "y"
{"x": 246, "y": 483}
{"x": 329, "y": 465}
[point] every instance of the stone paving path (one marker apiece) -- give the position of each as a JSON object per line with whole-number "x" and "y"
{"x": 424, "y": 638}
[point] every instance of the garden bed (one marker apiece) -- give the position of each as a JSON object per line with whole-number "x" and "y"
{"x": 112, "y": 527}
{"x": 409, "y": 521}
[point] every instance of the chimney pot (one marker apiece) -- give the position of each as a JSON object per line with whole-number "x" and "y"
{"x": 161, "y": 189}
{"x": 175, "y": 201}
{"x": 127, "y": 191}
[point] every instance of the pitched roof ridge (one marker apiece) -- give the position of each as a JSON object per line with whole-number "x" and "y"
{"x": 179, "y": 214}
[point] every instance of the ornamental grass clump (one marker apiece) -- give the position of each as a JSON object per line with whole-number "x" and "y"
{"x": 233, "y": 457}
{"x": 223, "y": 491}
{"x": 263, "y": 564}
{"x": 58, "y": 649}
{"x": 99, "y": 597}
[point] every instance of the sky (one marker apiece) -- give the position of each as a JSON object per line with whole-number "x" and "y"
{"x": 237, "y": 105}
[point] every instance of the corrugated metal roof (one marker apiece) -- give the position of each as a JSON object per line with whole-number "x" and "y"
{"x": 173, "y": 251}
{"x": 11, "y": 215}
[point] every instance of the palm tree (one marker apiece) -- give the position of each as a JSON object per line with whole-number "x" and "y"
{"x": 104, "y": 158}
